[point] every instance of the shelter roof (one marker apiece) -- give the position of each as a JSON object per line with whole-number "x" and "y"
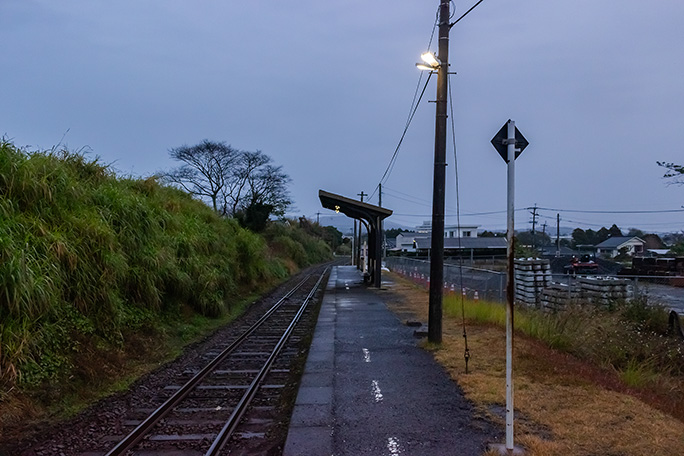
{"x": 352, "y": 208}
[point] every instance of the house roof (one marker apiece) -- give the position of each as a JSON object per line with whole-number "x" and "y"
{"x": 466, "y": 243}
{"x": 617, "y": 241}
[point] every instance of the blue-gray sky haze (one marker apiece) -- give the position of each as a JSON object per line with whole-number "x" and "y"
{"x": 325, "y": 87}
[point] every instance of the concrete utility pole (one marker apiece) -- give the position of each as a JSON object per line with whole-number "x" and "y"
{"x": 437, "y": 246}
{"x": 534, "y": 224}
{"x": 557, "y": 235}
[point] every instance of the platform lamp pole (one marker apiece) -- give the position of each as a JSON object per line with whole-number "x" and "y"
{"x": 441, "y": 65}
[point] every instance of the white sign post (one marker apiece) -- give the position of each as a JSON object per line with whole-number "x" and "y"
{"x": 505, "y": 143}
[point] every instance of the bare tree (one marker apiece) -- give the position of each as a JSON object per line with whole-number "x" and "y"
{"x": 239, "y": 184}
{"x": 206, "y": 171}
{"x": 267, "y": 185}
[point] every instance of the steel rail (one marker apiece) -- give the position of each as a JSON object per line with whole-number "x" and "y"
{"x": 239, "y": 411}
{"x": 134, "y": 437}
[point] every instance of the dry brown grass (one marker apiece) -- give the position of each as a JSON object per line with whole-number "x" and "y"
{"x": 564, "y": 406}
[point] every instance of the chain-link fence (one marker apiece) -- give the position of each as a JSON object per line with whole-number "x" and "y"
{"x": 667, "y": 291}
{"x": 474, "y": 282}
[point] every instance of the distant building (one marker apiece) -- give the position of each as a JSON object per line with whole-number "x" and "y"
{"x": 473, "y": 246}
{"x": 406, "y": 242}
{"x": 450, "y": 231}
{"x": 611, "y": 247}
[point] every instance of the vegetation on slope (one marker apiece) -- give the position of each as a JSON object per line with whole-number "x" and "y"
{"x": 89, "y": 261}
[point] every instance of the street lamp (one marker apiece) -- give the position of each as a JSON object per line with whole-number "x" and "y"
{"x": 430, "y": 62}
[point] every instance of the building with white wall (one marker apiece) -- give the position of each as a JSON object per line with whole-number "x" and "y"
{"x": 450, "y": 231}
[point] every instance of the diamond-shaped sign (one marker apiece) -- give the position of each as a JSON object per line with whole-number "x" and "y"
{"x": 500, "y": 142}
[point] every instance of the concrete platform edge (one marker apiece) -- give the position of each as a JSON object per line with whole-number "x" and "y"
{"x": 311, "y": 423}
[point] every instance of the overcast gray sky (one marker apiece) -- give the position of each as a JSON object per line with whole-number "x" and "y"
{"x": 325, "y": 87}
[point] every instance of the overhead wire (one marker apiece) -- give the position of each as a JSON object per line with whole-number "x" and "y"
{"x": 664, "y": 211}
{"x": 465, "y": 14}
{"x": 466, "y": 353}
{"x": 390, "y": 166}
{"x": 412, "y": 112}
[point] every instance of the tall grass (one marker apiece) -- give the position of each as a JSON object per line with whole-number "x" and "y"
{"x": 88, "y": 258}
{"x": 629, "y": 336}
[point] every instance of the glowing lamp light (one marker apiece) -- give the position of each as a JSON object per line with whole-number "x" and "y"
{"x": 337, "y": 209}
{"x": 430, "y": 62}
{"x": 430, "y": 59}
{"x": 424, "y": 67}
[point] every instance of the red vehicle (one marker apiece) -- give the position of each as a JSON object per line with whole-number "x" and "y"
{"x": 582, "y": 265}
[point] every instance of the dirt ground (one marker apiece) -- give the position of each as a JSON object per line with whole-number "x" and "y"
{"x": 563, "y": 406}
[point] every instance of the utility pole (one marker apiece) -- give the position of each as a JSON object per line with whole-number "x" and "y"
{"x": 437, "y": 247}
{"x": 382, "y": 223}
{"x": 358, "y": 243}
{"x": 354, "y": 246}
{"x": 534, "y": 224}
{"x": 318, "y": 215}
{"x": 557, "y": 235}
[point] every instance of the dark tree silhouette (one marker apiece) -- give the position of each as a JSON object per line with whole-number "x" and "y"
{"x": 206, "y": 169}
{"x": 675, "y": 172}
{"x": 240, "y": 184}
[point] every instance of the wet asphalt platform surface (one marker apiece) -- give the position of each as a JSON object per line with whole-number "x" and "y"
{"x": 368, "y": 389}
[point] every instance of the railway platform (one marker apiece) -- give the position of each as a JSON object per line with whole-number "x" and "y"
{"x": 369, "y": 389}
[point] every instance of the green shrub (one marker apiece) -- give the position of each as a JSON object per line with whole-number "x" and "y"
{"x": 287, "y": 239}
{"x": 89, "y": 258}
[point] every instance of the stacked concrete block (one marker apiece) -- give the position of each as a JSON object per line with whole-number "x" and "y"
{"x": 557, "y": 295}
{"x": 596, "y": 290}
{"x": 603, "y": 290}
{"x": 532, "y": 275}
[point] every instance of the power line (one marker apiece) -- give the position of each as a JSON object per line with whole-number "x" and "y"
{"x": 458, "y": 225}
{"x": 665, "y": 211}
{"x": 412, "y": 111}
{"x": 465, "y": 14}
{"x": 390, "y": 166}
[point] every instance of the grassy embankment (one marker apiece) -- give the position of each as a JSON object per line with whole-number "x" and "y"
{"x": 102, "y": 277}
{"x": 587, "y": 381}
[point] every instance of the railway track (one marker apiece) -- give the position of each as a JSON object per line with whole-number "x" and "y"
{"x": 226, "y": 401}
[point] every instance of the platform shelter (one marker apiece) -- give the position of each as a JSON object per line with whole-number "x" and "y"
{"x": 369, "y": 213}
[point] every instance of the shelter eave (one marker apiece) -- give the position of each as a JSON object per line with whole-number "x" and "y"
{"x": 352, "y": 208}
